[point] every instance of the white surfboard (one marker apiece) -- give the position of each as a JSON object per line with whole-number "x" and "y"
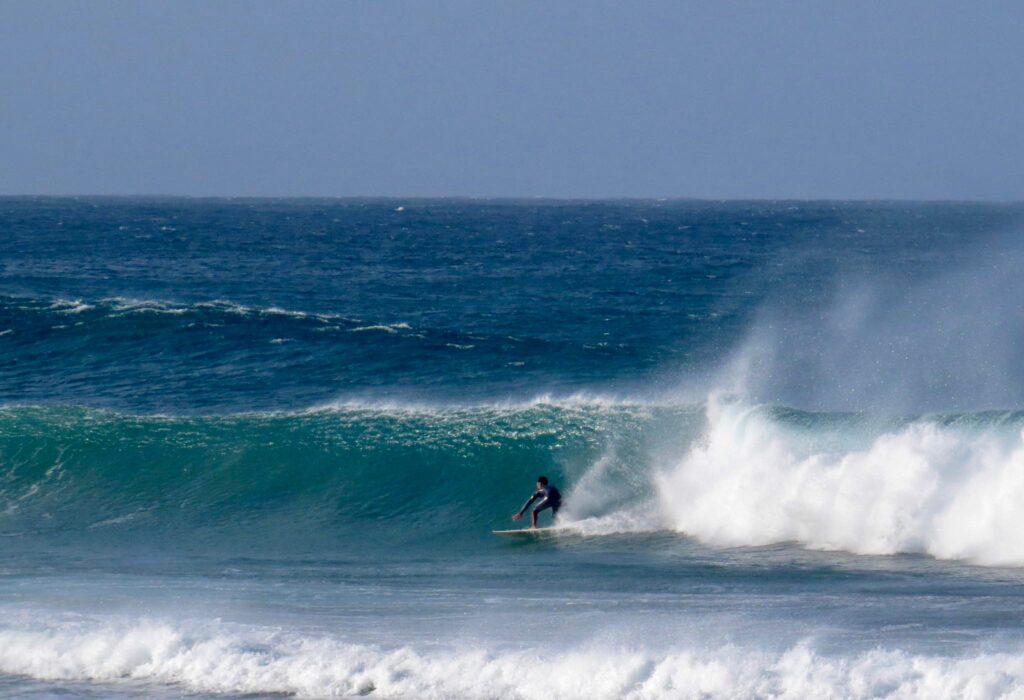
{"x": 526, "y": 532}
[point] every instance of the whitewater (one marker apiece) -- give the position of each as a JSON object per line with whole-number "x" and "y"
{"x": 257, "y": 447}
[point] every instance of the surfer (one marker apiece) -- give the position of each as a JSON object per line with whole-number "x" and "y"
{"x": 549, "y": 498}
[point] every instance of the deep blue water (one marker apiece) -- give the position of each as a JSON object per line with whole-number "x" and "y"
{"x": 258, "y": 447}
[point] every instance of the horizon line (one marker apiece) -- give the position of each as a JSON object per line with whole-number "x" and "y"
{"x": 512, "y": 198}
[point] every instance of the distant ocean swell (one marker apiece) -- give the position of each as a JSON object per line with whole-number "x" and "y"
{"x": 221, "y": 356}
{"x": 226, "y": 659}
{"x": 723, "y": 471}
{"x": 29, "y": 314}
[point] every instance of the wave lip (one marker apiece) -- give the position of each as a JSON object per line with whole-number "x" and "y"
{"x": 579, "y": 400}
{"x": 220, "y": 659}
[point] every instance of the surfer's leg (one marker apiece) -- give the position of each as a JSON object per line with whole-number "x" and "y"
{"x": 543, "y": 505}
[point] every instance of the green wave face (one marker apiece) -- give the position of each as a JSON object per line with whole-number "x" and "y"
{"x": 383, "y": 480}
{"x": 348, "y": 477}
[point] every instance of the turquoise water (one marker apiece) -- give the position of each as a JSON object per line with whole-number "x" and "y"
{"x": 256, "y": 447}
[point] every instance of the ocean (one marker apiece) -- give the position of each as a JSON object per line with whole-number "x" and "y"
{"x": 257, "y": 447}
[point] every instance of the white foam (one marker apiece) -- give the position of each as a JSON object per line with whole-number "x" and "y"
{"x": 125, "y": 305}
{"x": 383, "y": 328}
{"x": 144, "y": 306}
{"x": 570, "y": 401}
{"x": 278, "y": 311}
{"x": 627, "y": 521}
{"x": 70, "y": 306}
{"x": 233, "y": 660}
{"x": 225, "y": 305}
{"x": 925, "y": 487}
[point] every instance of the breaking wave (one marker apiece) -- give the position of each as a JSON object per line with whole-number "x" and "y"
{"x": 948, "y": 486}
{"x": 725, "y": 472}
{"x": 223, "y": 659}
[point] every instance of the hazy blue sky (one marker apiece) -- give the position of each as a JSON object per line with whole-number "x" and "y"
{"x": 582, "y": 99}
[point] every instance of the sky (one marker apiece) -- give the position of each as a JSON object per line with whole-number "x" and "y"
{"x": 588, "y": 99}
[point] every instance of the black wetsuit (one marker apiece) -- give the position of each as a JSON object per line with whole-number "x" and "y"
{"x": 550, "y": 498}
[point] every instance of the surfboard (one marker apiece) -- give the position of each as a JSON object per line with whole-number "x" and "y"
{"x": 526, "y": 532}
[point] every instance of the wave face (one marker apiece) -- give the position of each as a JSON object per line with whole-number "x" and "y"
{"x": 302, "y": 477}
{"x": 725, "y": 472}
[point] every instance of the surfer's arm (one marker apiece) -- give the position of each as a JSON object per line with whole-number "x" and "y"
{"x": 532, "y": 498}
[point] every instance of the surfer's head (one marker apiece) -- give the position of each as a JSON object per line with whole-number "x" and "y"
{"x": 542, "y": 481}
